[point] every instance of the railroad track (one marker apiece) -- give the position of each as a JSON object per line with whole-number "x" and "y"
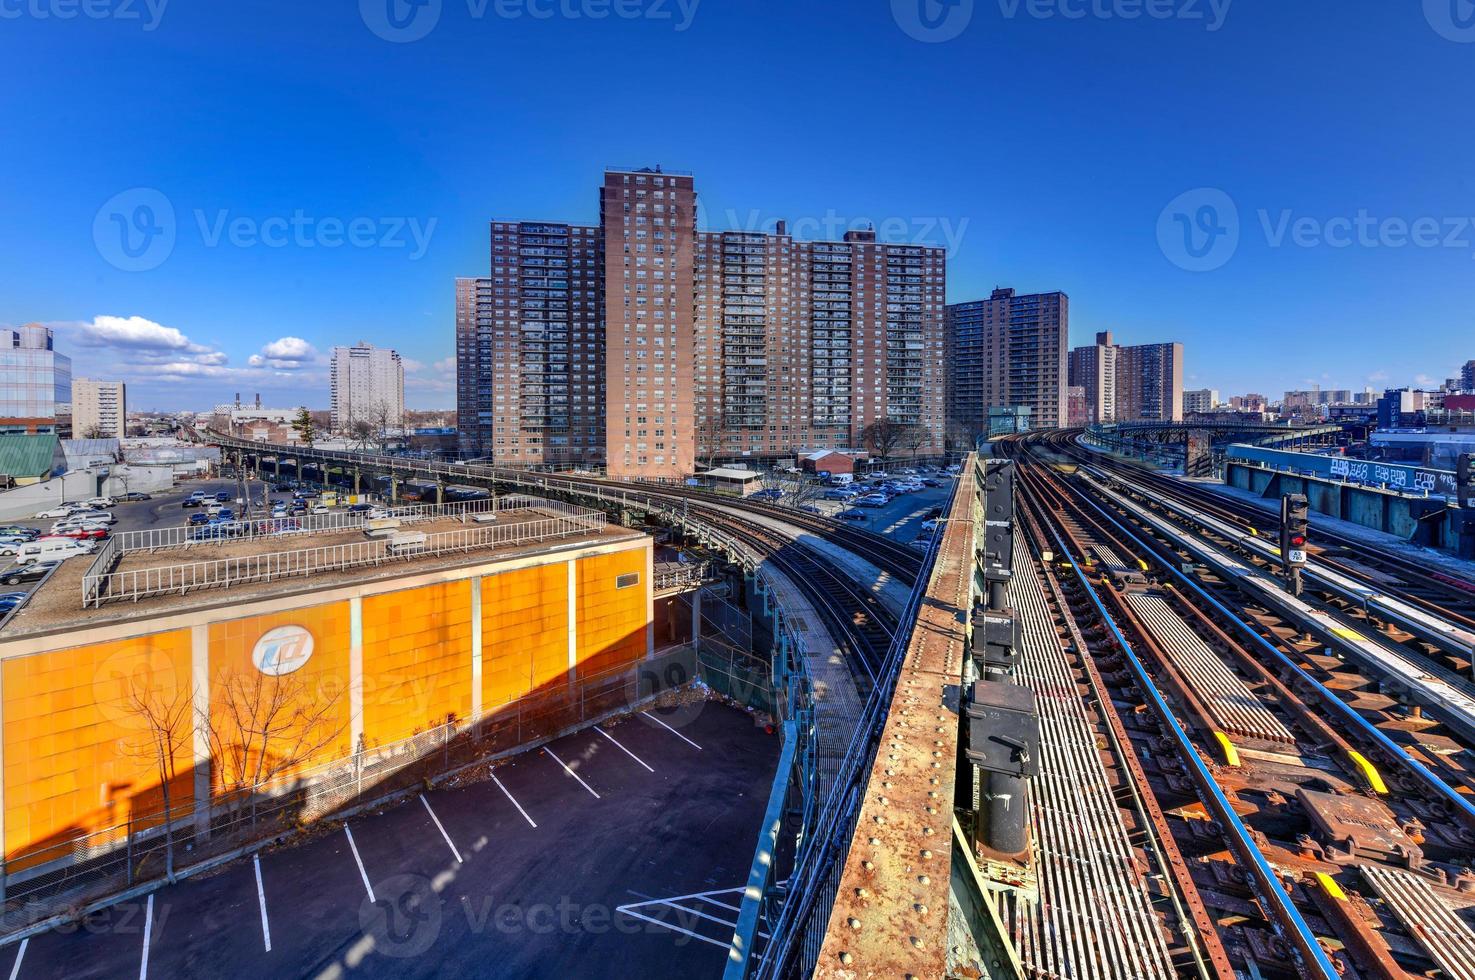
{"x": 1444, "y": 595}
{"x": 1319, "y": 823}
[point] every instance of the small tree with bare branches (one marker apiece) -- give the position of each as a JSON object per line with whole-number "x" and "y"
{"x": 165, "y": 720}
{"x": 263, "y": 728}
{"x": 884, "y": 437}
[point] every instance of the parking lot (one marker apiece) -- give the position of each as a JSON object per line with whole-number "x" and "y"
{"x": 902, "y": 518}
{"x": 618, "y": 850}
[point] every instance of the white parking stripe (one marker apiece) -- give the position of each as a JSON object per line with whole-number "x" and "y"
{"x": 261, "y": 897}
{"x": 359, "y": 861}
{"x": 570, "y": 772}
{"x": 148, "y": 927}
{"x": 20, "y": 954}
{"x": 675, "y": 928}
{"x": 622, "y": 748}
{"x": 514, "y": 802}
{"x": 671, "y": 730}
{"x": 441, "y": 828}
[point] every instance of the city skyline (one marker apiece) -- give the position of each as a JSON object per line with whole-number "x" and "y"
{"x": 252, "y": 271}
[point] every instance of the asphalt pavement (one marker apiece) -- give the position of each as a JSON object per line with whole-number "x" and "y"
{"x": 619, "y": 851}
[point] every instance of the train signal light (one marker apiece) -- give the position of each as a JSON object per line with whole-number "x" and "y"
{"x": 1295, "y": 529}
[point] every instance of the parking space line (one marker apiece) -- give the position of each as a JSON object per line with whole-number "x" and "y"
{"x": 261, "y": 897}
{"x": 675, "y": 928}
{"x": 622, "y": 748}
{"x": 441, "y": 828}
{"x": 359, "y": 861}
{"x": 514, "y": 802}
{"x": 571, "y": 772}
{"x": 20, "y": 954}
{"x": 673, "y": 731}
{"x": 148, "y": 927}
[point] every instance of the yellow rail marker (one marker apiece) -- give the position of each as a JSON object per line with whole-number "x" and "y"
{"x": 1142, "y": 563}
{"x": 1254, "y": 533}
{"x": 1330, "y": 886}
{"x": 1345, "y": 633}
{"x": 1369, "y": 772}
{"x": 1231, "y": 754}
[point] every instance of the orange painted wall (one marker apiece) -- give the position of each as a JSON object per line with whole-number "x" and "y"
{"x": 611, "y": 622}
{"x": 76, "y": 749}
{"x": 524, "y": 640}
{"x": 322, "y": 681}
{"x": 417, "y": 660}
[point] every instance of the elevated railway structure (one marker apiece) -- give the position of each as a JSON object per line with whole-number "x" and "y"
{"x": 1317, "y": 801}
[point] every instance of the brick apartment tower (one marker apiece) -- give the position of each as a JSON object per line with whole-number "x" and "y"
{"x": 691, "y": 346}
{"x": 1141, "y": 383}
{"x": 1007, "y": 351}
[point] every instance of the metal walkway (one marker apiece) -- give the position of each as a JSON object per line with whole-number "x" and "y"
{"x": 1235, "y": 708}
{"x": 1095, "y": 918}
{"x": 1426, "y": 916}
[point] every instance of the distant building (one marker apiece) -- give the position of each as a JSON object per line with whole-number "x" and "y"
{"x": 1007, "y": 352}
{"x": 1200, "y": 400}
{"x": 1077, "y": 410}
{"x": 1467, "y": 377}
{"x": 35, "y": 383}
{"x": 1008, "y": 421}
{"x": 99, "y": 409}
{"x": 30, "y": 458}
{"x": 368, "y": 385}
{"x": 1142, "y": 383}
{"x": 1249, "y": 403}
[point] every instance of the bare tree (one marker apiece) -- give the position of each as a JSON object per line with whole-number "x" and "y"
{"x": 362, "y": 432}
{"x": 165, "y": 718}
{"x": 709, "y": 439}
{"x": 884, "y": 437}
{"x": 381, "y": 421}
{"x": 264, "y": 727}
{"x": 914, "y": 438}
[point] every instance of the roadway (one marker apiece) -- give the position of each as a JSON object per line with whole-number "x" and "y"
{"x": 627, "y": 860}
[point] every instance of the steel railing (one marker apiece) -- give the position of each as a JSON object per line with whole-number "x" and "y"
{"x": 101, "y": 585}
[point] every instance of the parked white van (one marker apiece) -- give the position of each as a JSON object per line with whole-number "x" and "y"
{"x": 52, "y": 549}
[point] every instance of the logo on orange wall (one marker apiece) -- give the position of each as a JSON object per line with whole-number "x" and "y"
{"x": 282, "y": 650}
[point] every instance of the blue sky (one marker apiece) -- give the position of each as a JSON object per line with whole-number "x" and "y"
{"x": 326, "y": 184}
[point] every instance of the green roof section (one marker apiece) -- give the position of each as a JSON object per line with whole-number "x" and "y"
{"x": 24, "y": 456}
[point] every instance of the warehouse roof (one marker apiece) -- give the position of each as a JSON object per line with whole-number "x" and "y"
{"x": 23, "y": 455}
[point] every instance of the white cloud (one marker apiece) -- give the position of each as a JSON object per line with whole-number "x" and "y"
{"x": 412, "y": 365}
{"x": 1377, "y": 376}
{"x": 289, "y": 349}
{"x": 446, "y": 365}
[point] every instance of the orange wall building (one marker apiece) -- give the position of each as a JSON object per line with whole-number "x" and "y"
{"x": 337, "y": 668}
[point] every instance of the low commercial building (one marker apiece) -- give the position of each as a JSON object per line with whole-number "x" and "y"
{"x": 731, "y": 479}
{"x": 831, "y": 461}
{"x": 449, "y": 625}
{"x": 28, "y": 459}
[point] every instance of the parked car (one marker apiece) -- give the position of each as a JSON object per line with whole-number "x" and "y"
{"x": 360, "y": 508}
{"x": 838, "y": 493}
{"x": 811, "y": 509}
{"x": 18, "y": 531}
{"x": 100, "y": 503}
{"x": 12, "y": 546}
{"x": 189, "y": 502}
{"x": 20, "y": 574}
{"x": 931, "y": 524}
{"x": 770, "y": 494}
{"x": 224, "y": 496}
{"x": 10, "y": 600}
{"x": 195, "y": 520}
{"x": 278, "y": 526}
{"x": 83, "y": 533}
{"x": 225, "y": 514}
{"x": 215, "y": 530}
{"x": 53, "y": 549}
{"x": 321, "y": 509}
{"x": 873, "y": 500}
{"x": 94, "y": 516}
{"x": 133, "y": 496}
{"x": 851, "y": 514}
{"x": 52, "y": 513}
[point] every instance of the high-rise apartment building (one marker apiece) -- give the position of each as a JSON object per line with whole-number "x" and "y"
{"x": 99, "y": 409}
{"x": 1094, "y": 369}
{"x": 1149, "y": 383}
{"x": 1200, "y": 400}
{"x": 368, "y": 385}
{"x": 654, "y": 345}
{"x": 35, "y": 383}
{"x": 1467, "y": 377}
{"x": 1142, "y": 383}
{"x": 1007, "y": 351}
